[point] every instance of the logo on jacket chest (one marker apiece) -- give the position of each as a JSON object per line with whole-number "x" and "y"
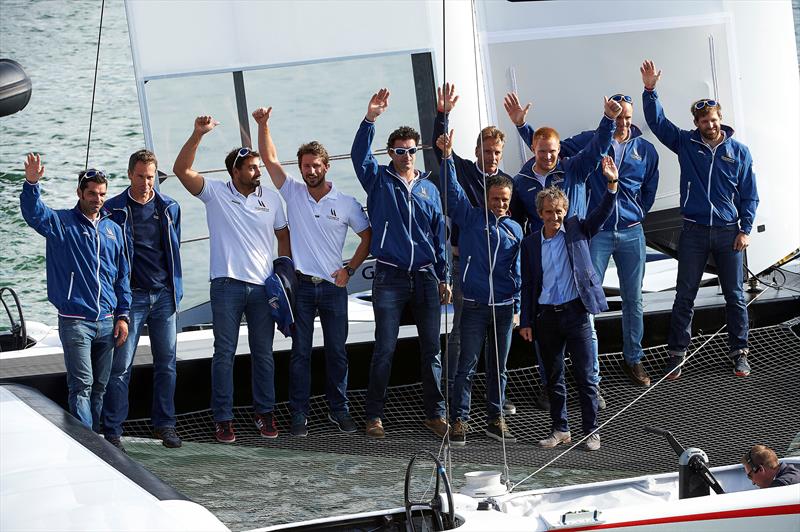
{"x": 635, "y": 155}
{"x": 110, "y": 234}
{"x": 333, "y": 216}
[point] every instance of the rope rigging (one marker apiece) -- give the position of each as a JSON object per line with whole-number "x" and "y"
{"x": 94, "y": 84}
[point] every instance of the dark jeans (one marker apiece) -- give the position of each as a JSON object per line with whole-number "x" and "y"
{"x": 479, "y": 331}
{"x": 230, "y": 298}
{"x": 156, "y": 308}
{"x": 88, "y": 352}
{"x": 454, "y": 338}
{"x": 568, "y": 328}
{"x": 392, "y": 288}
{"x": 330, "y": 301}
{"x": 696, "y": 242}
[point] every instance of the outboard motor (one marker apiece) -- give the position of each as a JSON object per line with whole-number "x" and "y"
{"x": 15, "y": 87}
{"x": 694, "y": 477}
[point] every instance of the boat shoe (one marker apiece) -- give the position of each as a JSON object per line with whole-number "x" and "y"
{"x": 555, "y": 438}
{"x": 438, "y": 425}
{"x": 375, "y": 428}
{"x": 498, "y": 430}
{"x": 636, "y": 374}
{"x": 673, "y": 369}
{"x": 458, "y": 433}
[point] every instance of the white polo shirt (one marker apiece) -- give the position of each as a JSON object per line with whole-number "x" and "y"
{"x": 241, "y": 230}
{"x": 318, "y": 230}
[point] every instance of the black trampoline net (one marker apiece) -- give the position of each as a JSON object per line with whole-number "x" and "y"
{"x": 708, "y": 407}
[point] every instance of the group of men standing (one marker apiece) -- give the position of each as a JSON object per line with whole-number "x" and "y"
{"x": 529, "y": 251}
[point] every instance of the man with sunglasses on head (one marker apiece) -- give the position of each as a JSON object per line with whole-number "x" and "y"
{"x": 242, "y": 217}
{"x": 406, "y": 213}
{"x": 763, "y": 469}
{"x": 718, "y": 200}
{"x": 87, "y": 281}
{"x": 319, "y": 215}
{"x": 471, "y": 176}
{"x": 151, "y": 226}
{"x": 622, "y": 235}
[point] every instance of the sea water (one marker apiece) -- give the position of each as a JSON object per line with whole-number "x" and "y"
{"x": 55, "y": 41}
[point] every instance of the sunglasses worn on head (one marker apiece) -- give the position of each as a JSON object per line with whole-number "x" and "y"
{"x": 403, "y": 151}
{"x": 621, "y": 98}
{"x": 90, "y": 174}
{"x": 705, "y": 102}
{"x": 243, "y": 152}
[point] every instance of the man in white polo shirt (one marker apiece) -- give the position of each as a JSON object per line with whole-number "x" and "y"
{"x": 241, "y": 217}
{"x": 319, "y": 216}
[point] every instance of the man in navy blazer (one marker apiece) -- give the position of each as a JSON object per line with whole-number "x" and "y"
{"x": 560, "y": 289}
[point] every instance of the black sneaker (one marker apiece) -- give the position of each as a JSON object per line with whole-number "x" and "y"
{"x": 498, "y": 430}
{"x": 266, "y": 425}
{"x": 458, "y": 433}
{"x": 343, "y": 421}
{"x": 509, "y": 408}
{"x": 299, "y": 425}
{"x": 169, "y": 438}
{"x": 673, "y": 369}
{"x": 223, "y": 432}
{"x": 542, "y": 401}
{"x": 741, "y": 368}
{"x": 116, "y": 441}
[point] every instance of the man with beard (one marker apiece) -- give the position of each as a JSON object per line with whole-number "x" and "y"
{"x": 87, "y": 282}
{"x": 241, "y": 217}
{"x": 406, "y": 210}
{"x": 319, "y": 216}
{"x": 718, "y": 200}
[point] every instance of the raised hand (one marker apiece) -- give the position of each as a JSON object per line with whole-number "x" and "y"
{"x": 204, "y": 124}
{"x": 261, "y": 115}
{"x": 650, "y": 75}
{"x": 377, "y": 104}
{"x": 445, "y": 144}
{"x": 611, "y": 108}
{"x": 447, "y": 98}
{"x": 514, "y": 109}
{"x": 34, "y": 169}
{"x": 610, "y": 172}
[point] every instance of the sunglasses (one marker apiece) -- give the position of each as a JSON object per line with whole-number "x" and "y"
{"x": 621, "y": 98}
{"x": 753, "y": 468}
{"x": 243, "y": 152}
{"x": 91, "y": 173}
{"x": 705, "y": 102}
{"x": 403, "y": 151}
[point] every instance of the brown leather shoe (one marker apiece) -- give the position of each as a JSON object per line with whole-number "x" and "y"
{"x": 438, "y": 425}
{"x": 636, "y": 374}
{"x": 375, "y": 428}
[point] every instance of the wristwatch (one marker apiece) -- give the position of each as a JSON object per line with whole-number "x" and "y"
{"x": 126, "y": 319}
{"x": 350, "y": 271}
{"x": 613, "y": 180}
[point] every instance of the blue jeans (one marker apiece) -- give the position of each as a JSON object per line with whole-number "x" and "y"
{"x": 627, "y": 246}
{"x": 230, "y": 299}
{"x": 331, "y": 303}
{"x": 454, "y": 338}
{"x": 695, "y": 243}
{"x": 156, "y": 308}
{"x": 88, "y": 351}
{"x": 568, "y": 328}
{"x": 479, "y": 330}
{"x": 392, "y": 288}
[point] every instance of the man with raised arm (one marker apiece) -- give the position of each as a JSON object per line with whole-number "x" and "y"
{"x": 560, "y": 290}
{"x": 242, "y": 217}
{"x": 151, "y": 227}
{"x": 491, "y": 294}
{"x": 471, "y": 175}
{"x": 406, "y": 213}
{"x": 622, "y": 235}
{"x": 319, "y": 215}
{"x": 87, "y": 282}
{"x": 718, "y": 200}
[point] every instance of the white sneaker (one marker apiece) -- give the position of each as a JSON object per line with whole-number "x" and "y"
{"x": 555, "y": 438}
{"x": 592, "y": 443}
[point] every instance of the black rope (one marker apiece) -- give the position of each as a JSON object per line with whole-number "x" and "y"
{"x": 94, "y": 83}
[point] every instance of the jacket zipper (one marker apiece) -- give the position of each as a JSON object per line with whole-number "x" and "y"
{"x": 466, "y": 269}
{"x": 410, "y": 235}
{"x": 385, "y": 229}
{"x": 97, "y": 272}
{"x": 171, "y": 257}
{"x": 688, "y": 189}
{"x": 71, "y": 279}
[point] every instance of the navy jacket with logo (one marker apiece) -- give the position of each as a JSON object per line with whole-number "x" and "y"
{"x": 570, "y": 174}
{"x": 717, "y": 185}
{"x": 408, "y": 229}
{"x": 578, "y": 233}
{"x": 170, "y": 216}
{"x": 87, "y": 272}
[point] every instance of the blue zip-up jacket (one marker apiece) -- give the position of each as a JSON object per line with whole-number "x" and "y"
{"x": 505, "y": 238}
{"x": 717, "y": 185}
{"x": 469, "y": 175}
{"x": 578, "y": 234}
{"x": 638, "y": 178}
{"x": 570, "y": 174}
{"x": 87, "y": 272}
{"x": 408, "y": 230}
{"x": 170, "y": 215}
